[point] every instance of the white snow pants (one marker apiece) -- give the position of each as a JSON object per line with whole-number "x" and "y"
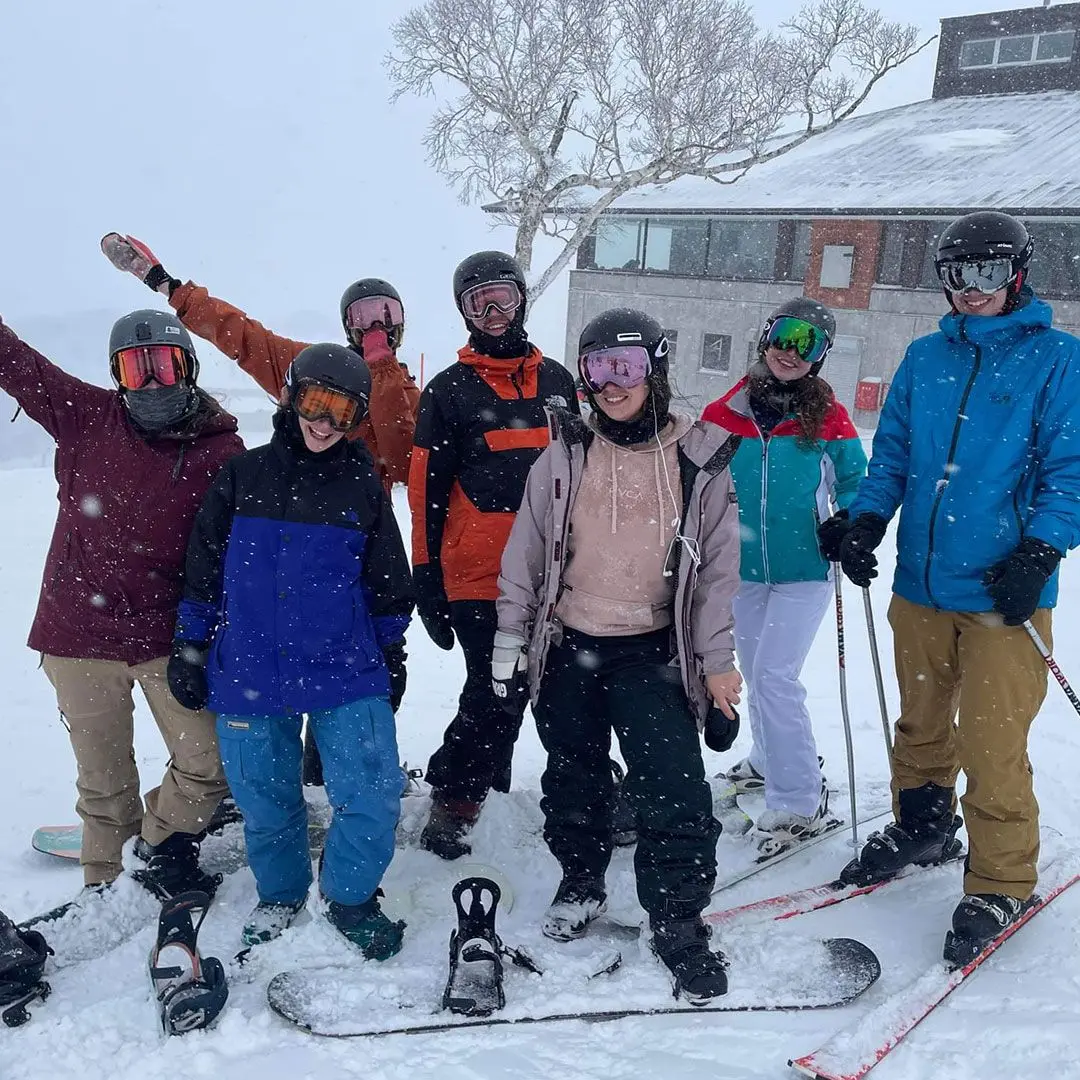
{"x": 774, "y": 629}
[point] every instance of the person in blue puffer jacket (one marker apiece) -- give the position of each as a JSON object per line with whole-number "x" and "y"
{"x": 979, "y": 449}
{"x": 297, "y": 594}
{"x": 800, "y": 455}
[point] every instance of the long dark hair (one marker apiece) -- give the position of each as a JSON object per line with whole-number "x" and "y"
{"x": 809, "y": 398}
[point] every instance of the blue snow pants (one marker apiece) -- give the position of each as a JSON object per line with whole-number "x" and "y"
{"x": 263, "y": 755}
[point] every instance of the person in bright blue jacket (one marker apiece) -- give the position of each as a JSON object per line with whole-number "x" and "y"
{"x": 979, "y": 449}
{"x": 800, "y": 455}
{"x": 297, "y": 594}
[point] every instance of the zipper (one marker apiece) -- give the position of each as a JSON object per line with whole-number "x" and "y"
{"x": 943, "y": 483}
{"x": 515, "y": 384}
{"x": 764, "y": 495}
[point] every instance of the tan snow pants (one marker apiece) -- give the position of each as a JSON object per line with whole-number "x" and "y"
{"x": 95, "y": 698}
{"x": 948, "y": 661}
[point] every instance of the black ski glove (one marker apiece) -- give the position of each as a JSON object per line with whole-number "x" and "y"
{"x": 1016, "y": 583}
{"x": 134, "y": 257}
{"x": 831, "y": 533}
{"x": 510, "y": 672}
{"x": 857, "y": 557}
{"x": 187, "y": 674}
{"x": 720, "y": 731}
{"x": 395, "y": 656}
{"x": 432, "y": 604}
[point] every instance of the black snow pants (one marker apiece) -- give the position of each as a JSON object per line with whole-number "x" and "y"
{"x": 592, "y": 686}
{"x": 478, "y": 746}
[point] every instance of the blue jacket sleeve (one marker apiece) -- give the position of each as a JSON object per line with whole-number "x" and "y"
{"x": 1055, "y": 510}
{"x": 882, "y": 490}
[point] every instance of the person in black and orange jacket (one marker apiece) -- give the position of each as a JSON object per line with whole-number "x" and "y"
{"x": 480, "y": 427}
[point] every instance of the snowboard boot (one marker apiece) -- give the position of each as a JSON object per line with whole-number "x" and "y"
{"x": 924, "y": 836}
{"x": 977, "y": 921}
{"x": 623, "y": 818}
{"x": 448, "y": 826}
{"x": 778, "y": 830}
{"x": 173, "y": 868}
{"x": 577, "y": 902}
{"x": 745, "y": 778}
{"x": 367, "y": 927}
{"x": 268, "y": 921}
{"x": 683, "y": 946}
{"x": 227, "y": 813}
{"x": 22, "y": 964}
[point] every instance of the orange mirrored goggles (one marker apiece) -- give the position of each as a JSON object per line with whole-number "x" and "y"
{"x": 137, "y": 366}
{"x": 313, "y": 401}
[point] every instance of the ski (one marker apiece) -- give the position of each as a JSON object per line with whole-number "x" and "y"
{"x": 852, "y": 1052}
{"x": 342, "y": 1003}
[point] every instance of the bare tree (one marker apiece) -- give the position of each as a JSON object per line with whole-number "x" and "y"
{"x": 562, "y": 106}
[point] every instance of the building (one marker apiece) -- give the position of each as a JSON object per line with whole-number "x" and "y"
{"x": 852, "y": 217}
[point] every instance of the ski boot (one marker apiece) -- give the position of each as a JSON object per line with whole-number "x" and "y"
{"x": 227, "y": 813}
{"x": 745, "y": 777}
{"x": 977, "y": 921}
{"x": 778, "y": 830}
{"x": 191, "y": 990}
{"x": 682, "y": 945}
{"x": 623, "y": 818}
{"x": 448, "y": 825}
{"x": 172, "y": 868}
{"x": 410, "y": 781}
{"x": 577, "y": 902}
{"x": 367, "y": 927}
{"x": 22, "y": 963}
{"x": 268, "y": 921}
{"x": 925, "y": 835}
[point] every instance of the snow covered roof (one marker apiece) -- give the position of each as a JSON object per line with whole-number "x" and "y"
{"x": 1010, "y": 151}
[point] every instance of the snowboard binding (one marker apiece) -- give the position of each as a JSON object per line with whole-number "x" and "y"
{"x": 191, "y": 990}
{"x": 475, "y": 983}
{"x": 22, "y": 962}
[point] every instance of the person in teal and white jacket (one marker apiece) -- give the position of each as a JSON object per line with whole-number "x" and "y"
{"x": 800, "y": 456}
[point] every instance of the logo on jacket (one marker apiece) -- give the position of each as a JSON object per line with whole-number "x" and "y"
{"x": 557, "y": 400}
{"x": 997, "y": 398}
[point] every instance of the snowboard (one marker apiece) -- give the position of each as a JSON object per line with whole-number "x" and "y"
{"x": 342, "y": 1003}
{"x": 63, "y": 841}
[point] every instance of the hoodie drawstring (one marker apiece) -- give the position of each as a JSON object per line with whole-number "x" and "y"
{"x": 614, "y": 493}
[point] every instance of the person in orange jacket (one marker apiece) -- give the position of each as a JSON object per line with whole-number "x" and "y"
{"x": 374, "y": 321}
{"x": 481, "y": 426}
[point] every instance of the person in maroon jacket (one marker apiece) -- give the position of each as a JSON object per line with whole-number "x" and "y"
{"x": 133, "y": 465}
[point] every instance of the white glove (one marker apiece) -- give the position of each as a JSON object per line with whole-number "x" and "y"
{"x": 510, "y": 672}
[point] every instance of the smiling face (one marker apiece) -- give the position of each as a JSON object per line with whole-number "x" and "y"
{"x": 319, "y": 435}
{"x": 785, "y": 364}
{"x": 494, "y": 322}
{"x": 977, "y": 303}
{"x": 622, "y": 404}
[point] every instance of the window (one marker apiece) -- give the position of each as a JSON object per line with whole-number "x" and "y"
{"x": 890, "y": 260}
{"x": 928, "y": 279}
{"x": 743, "y": 249}
{"x": 716, "y": 354}
{"x": 672, "y": 340}
{"x": 619, "y": 243}
{"x": 677, "y": 245}
{"x": 1053, "y": 47}
{"x": 800, "y": 255}
{"x": 1055, "y": 267}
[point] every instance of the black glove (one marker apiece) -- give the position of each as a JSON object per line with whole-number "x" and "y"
{"x": 720, "y": 731}
{"x": 395, "y": 657}
{"x": 432, "y": 604}
{"x": 187, "y": 674}
{"x": 510, "y": 672}
{"x": 134, "y": 257}
{"x": 856, "y": 548}
{"x": 830, "y": 534}
{"x": 1016, "y": 583}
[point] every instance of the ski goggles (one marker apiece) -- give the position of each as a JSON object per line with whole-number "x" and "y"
{"x": 314, "y": 401}
{"x": 984, "y": 275}
{"x": 371, "y": 311}
{"x": 809, "y": 341}
{"x": 503, "y": 296}
{"x": 624, "y": 365}
{"x": 134, "y": 367}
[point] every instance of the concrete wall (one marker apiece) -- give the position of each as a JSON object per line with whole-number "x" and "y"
{"x": 873, "y": 340}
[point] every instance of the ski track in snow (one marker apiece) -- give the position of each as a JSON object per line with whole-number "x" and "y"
{"x": 1017, "y": 1018}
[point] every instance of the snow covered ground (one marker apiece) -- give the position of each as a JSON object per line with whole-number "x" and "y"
{"x": 1017, "y": 1018}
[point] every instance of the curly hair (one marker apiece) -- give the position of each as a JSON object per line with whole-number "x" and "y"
{"x": 809, "y": 398}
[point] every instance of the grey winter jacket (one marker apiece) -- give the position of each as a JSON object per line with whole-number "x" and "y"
{"x": 534, "y": 557}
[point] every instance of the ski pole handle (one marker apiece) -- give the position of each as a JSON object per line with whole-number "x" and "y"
{"x": 1051, "y": 663}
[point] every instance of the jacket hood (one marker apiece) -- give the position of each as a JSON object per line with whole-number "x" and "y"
{"x": 991, "y": 330}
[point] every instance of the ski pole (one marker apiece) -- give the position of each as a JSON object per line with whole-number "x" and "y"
{"x": 844, "y": 712}
{"x": 875, "y": 658}
{"x": 1051, "y": 663}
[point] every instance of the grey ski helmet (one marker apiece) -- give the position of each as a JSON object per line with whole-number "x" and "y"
{"x": 148, "y": 326}
{"x": 811, "y": 311}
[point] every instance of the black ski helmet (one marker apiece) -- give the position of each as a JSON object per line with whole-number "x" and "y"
{"x": 987, "y": 234}
{"x": 811, "y": 311}
{"x": 626, "y": 326}
{"x": 336, "y": 366}
{"x": 373, "y": 286}
{"x": 148, "y": 326}
{"x": 485, "y": 266}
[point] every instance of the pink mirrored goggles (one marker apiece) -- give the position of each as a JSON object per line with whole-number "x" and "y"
{"x": 504, "y": 296}
{"x": 371, "y": 311}
{"x": 625, "y": 365}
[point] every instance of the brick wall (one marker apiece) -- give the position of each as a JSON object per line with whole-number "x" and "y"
{"x": 865, "y": 237}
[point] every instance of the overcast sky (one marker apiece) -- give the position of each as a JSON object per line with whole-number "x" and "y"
{"x": 253, "y": 146}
